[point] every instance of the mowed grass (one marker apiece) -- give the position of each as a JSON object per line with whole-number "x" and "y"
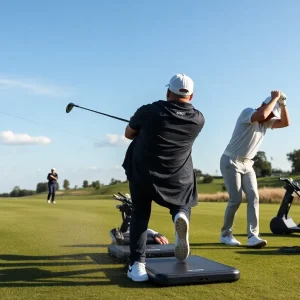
{"x": 60, "y": 252}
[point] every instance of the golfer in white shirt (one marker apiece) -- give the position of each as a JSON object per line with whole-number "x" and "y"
{"x": 237, "y": 164}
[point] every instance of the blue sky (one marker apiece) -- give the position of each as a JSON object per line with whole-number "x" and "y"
{"x": 114, "y": 56}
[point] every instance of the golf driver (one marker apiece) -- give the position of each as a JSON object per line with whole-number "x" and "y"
{"x": 71, "y": 105}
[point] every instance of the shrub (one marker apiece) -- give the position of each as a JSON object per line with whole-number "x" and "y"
{"x": 207, "y": 179}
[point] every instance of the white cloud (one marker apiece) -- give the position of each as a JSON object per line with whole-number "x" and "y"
{"x": 11, "y": 138}
{"x": 93, "y": 168}
{"x": 32, "y": 87}
{"x": 113, "y": 140}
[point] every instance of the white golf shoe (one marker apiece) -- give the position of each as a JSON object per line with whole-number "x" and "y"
{"x": 229, "y": 240}
{"x": 256, "y": 242}
{"x": 182, "y": 246}
{"x": 48, "y": 201}
{"x": 137, "y": 272}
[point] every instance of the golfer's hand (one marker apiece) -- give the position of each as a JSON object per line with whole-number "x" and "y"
{"x": 275, "y": 95}
{"x": 162, "y": 240}
{"x": 282, "y": 99}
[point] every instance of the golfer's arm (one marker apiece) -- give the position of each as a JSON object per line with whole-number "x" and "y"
{"x": 130, "y": 133}
{"x": 264, "y": 112}
{"x": 284, "y": 119}
{"x": 53, "y": 177}
{"x": 151, "y": 231}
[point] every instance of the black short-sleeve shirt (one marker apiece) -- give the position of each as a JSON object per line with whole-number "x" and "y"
{"x": 160, "y": 155}
{"x": 51, "y": 180}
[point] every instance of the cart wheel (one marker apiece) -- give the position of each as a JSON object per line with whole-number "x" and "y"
{"x": 276, "y": 226}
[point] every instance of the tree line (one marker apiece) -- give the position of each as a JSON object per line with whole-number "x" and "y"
{"x": 262, "y": 167}
{"x": 42, "y": 187}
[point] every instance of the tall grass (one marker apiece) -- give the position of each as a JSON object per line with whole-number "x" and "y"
{"x": 266, "y": 195}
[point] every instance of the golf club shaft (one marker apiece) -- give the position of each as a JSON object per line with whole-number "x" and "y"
{"x": 97, "y": 112}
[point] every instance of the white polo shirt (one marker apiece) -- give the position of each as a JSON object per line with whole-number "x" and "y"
{"x": 247, "y": 136}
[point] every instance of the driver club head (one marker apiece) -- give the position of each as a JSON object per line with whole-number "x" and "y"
{"x": 69, "y": 107}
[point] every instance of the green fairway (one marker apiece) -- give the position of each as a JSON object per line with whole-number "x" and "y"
{"x": 59, "y": 252}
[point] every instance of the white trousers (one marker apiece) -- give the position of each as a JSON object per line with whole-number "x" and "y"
{"x": 239, "y": 177}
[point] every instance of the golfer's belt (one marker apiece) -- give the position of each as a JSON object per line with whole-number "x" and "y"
{"x": 237, "y": 157}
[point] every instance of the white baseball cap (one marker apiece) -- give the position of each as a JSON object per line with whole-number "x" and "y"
{"x": 181, "y": 84}
{"x": 276, "y": 110}
{"x": 53, "y": 169}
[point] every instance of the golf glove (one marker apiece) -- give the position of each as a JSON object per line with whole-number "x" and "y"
{"x": 282, "y": 99}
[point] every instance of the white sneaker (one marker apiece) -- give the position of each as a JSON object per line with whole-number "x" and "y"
{"x": 48, "y": 201}
{"x": 137, "y": 272}
{"x": 54, "y": 202}
{"x": 229, "y": 240}
{"x": 256, "y": 242}
{"x": 182, "y": 246}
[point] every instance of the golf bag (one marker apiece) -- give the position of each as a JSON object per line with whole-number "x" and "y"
{"x": 120, "y": 236}
{"x": 125, "y": 208}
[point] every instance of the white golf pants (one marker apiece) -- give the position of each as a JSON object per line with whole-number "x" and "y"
{"x": 240, "y": 176}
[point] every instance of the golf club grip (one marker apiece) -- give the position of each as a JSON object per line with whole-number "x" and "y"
{"x": 97, "y": 112}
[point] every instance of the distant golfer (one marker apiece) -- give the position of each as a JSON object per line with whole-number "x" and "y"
{"x": 159, "y": 167}
{"x": 237, "y": 164}
{"x": 52, "y": 183}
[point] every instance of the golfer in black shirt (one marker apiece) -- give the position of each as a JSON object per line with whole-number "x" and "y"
{"x": 159, "y": 168}
{"x": 52, "y": 183}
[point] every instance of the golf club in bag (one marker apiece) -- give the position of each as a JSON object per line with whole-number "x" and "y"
{"x": 126, "y": 209}
{"x": 71, "y": 105}
{"x": 121, "y": 234}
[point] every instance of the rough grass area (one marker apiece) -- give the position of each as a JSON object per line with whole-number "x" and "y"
{"x": 59, "y": 252}
{"x": 266, "y": 195}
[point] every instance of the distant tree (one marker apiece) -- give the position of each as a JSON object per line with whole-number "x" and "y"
{"x": 207, "y": 178}
{"x": 294, "y": 158}
{"x": 23, "y": 193}
{"x": 198, "y": 173}
{"x": 15, "y": 192}
{"x": 4, "y": 195}
{"x": 114, "y": 181}
{"x": 277, "y": 171}
{"x": 42, "y": 187}
{"x": 66, "y": 184}
{"x": 96, "y": 184}
{"x": 85, "y": 184}
{"x": 262, "y": 166}
{"x": 75, "y": 187}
